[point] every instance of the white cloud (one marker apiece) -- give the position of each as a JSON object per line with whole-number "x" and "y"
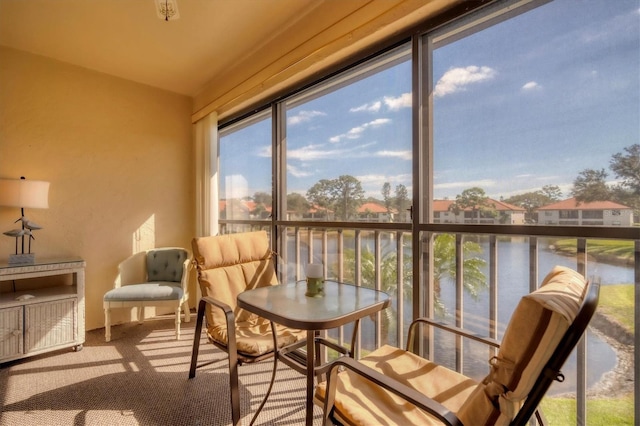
{"x": 304, "y": 116}
{"x": 402, "y": 155}
{"x": 457, "y": 79}
{"x": 369, "y": 179}
{"x": 372, "y": 184}
{"x": 531, "y": 85}
{"x": 377, "y": 122}
{"x": 311, "y": 152}
{"x": 319, "y": 152}
{"x": 483, "y": 183}
{"x": 372, "y": 107}
{"x": 297, "y": 172}
{"x": 265, "y": 151}
{"x": 379, "y": 180}
{"x": 356, "y": 132}
{"x": 402, "y": 101}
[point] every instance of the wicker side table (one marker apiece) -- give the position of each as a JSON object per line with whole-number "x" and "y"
{"x": 36, "y": 317}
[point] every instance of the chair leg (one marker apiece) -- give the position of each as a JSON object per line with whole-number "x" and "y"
{"x": 107, "y": 325}
{"x": 178, "y": 322}
{"x": 235, "y": 389}
{"x": 232, "y": 352}
{"x": 233, "y": 360}
{"x": 140, "y": 314}
{"x": 196, "y": 339}
{"x": 187, "y": 311}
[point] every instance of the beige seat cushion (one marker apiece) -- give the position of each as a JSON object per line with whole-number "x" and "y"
{"x": 359, "y": 402}
{"x": 533, "y": 334}
{"x": 534, "y": 331}
{"x": 254, "y": 338}
{"x": 228, "y": 265}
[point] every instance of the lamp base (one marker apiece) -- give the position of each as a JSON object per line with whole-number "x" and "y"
{"x": 22, "y": 259}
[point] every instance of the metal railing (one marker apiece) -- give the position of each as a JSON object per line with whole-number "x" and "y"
{"x": 382, "y": 256}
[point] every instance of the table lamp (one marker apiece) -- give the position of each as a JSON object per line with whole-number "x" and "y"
{"x": 23, "y": 193}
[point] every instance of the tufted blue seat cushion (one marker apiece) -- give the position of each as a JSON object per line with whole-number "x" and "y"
{"x": 164, "y": 275}
{"x": 146, "y": 291}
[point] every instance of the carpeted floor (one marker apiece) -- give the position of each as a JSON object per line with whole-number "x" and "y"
{"x": 141, "y": 378}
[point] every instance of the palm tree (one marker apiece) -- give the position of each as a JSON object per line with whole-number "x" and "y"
{"x": 444, "y": 266}
{"x": 388, "y": 279}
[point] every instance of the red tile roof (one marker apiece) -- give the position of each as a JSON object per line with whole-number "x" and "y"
{"x": 372, "y": 208}
{"x": 443, "y": 205}
{"x": 573, "y": 204}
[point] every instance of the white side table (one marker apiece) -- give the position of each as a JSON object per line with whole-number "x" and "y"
{"x": 41, "y": 318}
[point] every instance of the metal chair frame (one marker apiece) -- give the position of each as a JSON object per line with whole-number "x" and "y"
{"x": 550, "y": 373}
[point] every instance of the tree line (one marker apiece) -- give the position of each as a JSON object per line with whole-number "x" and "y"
{"x": 341, "y": 197}
{"x": 591, "y": 185}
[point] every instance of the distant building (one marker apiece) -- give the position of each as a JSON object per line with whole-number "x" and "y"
{"x": 596, "y": 213}
{"x": 316, "y": 212}
{"x": 238, "y": 209}
{"x": 506, "y": 214}
{"x": 375, "y": 212}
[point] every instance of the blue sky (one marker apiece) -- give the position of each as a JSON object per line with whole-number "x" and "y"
{"x": 529, "y": 102}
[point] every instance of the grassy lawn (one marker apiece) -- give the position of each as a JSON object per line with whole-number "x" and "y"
{"x": 617, "y": 301}
{"x": 604, "y": 248}
{"x": 600, "y": 412}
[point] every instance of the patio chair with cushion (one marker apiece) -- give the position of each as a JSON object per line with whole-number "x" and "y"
{"x": 157, "y": 277}
{"x": 394, "y": 386}
{"x": 228, "y": 265}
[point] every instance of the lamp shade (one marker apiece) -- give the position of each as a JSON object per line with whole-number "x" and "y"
{"x": 33, "y": 194}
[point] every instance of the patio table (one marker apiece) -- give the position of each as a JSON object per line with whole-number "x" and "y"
{"x": 288, "y": 305}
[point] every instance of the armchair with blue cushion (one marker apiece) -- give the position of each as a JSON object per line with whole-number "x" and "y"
{"x": 157, "y": 277}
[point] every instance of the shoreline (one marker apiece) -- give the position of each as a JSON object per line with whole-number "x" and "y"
{"x": 620, "y": 380}
{"x": 599, "y": 257}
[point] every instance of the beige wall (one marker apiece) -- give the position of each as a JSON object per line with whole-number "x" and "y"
{"x": 119, "y": 158}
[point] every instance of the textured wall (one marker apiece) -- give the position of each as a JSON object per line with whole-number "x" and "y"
{"x": 119, "y": 158}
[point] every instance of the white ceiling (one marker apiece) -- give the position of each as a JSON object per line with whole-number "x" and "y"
{"x": 125, "y": 38}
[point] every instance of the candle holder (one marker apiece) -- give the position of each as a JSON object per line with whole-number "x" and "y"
{"x": 315, "y": 280}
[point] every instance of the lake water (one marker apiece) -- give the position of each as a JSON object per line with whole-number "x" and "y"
{"x": 513, "y": 269}
{"x": 513, "y": 283}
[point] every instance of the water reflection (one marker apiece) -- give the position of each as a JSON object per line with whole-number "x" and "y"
{"x": 513, "y": 283}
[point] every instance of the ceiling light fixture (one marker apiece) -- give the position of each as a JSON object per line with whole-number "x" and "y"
{"x": 167, "y": 9}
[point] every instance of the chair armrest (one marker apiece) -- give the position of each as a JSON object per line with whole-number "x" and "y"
{"x": 410, "y": 395}
{"x": 450, "y": 328}
{"x": 228, "y": 312}
{"x": 187, "y": 266}
{"x": 231, "y": 333}
{"x": 229, "y": 319}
